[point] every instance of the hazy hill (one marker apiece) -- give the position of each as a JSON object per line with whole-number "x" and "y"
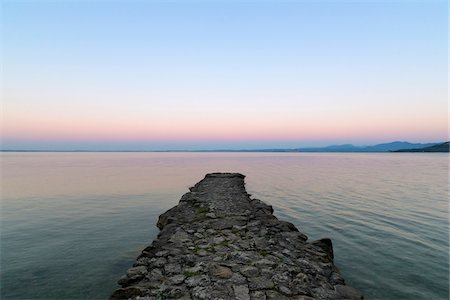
{"x": 386, "y": 147}
{"x": 444, "y": 147}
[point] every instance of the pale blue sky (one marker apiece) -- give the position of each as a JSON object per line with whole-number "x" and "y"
{"x": 156, "y": 72}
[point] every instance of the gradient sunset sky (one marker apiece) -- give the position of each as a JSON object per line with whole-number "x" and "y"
{"x": 156, "y": 75}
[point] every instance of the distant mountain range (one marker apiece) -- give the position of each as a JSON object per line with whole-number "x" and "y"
{"x": 443, "y": 147}
{"x": 386, "y": 147}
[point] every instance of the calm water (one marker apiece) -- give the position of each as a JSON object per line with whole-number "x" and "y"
{"x": 72, "y": 223}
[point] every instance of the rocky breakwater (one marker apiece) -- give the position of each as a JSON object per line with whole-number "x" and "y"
{"x": 218, "y": 243}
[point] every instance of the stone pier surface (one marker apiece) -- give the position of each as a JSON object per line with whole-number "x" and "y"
{"x": 218, "y": 243}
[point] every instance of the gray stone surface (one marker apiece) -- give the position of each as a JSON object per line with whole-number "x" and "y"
{"x": 218, "y": 243}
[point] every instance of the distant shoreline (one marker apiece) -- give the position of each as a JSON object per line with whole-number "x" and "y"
{"x": 346, "y": 148}
{"x": 203, "y": 151}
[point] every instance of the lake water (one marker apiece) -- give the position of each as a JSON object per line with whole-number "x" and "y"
{"x": 72, "y": 223}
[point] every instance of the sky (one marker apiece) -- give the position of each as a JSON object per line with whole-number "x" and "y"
{"x": 159, "y": 75}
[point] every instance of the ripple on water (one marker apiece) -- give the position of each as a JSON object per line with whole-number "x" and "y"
{"x": 387, "y": 220}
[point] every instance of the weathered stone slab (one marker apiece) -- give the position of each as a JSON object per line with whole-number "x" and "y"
{"x": 218, "y": 243}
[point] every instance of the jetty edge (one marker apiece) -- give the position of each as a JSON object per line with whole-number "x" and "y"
{"x": 218, "y": 243}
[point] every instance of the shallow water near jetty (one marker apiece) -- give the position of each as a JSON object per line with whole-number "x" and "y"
{"x": 72, "y": 223}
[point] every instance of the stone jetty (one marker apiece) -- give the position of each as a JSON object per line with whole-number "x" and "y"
{"x": 218, "y": 243}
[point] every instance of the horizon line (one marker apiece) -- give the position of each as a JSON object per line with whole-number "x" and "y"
{"x": 299, "y": 149}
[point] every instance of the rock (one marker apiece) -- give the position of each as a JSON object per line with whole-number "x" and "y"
{"x": 243, "y": 257}
{"x": 211, "y": 215}
{"x": 348, "y": 292}
{"x": 176, "y": 292}
{"x": 195, "y": 269}
{"x": 326, "y": 245}
{"x": 202, "y": 253}
{"x": 162, "y": 253}
{"x": 336, "y": 279}
{"x": 159, "y": 262}
{"x": 155, "y": 274}
{"x": 249, "y": 271}
{"x": 172, "y": 269}
{"x": 260, "y": 283}
{"x": 284, "y": 290}
{"x": 200, "y": 292}
{"x": 218, "y": 240}
{"x": 294, "y": 236}
{"x": 125, "y": 293}
{"x": 237, "y": 279}
{"x": 198, "y": 280}
{"x": 274, "y": 295}
{"x": 224, "y": 223}
{"x": 264, "y": 262}
{"x": 221, "y": 271}
{"x": 137, "y": 271}
{"x": 261, "y": 242}
{"x": 267, "y": 272}
{"x": 282, "y": 278}
{"x": 177, "y": 279}
{"x": 258, "y": 295}
{"x": 238, "y": 228}
{"x": 241, "y": 292}
{"x": 218, "y": 243}
{"x": 180, "y": 237}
